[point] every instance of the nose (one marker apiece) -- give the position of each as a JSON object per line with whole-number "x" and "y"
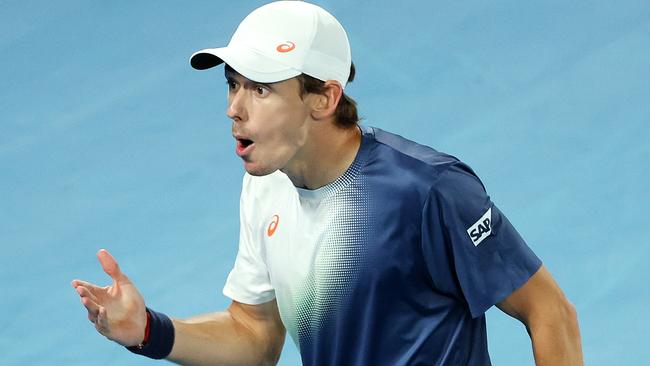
{"x": 237, "y": 105}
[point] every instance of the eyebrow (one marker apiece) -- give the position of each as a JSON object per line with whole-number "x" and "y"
{"x": 231, "y": 74}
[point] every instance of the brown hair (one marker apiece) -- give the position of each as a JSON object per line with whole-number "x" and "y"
{"x": 346, "y": 115}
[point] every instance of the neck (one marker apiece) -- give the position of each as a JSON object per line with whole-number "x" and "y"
{"x": 328, "y": 153}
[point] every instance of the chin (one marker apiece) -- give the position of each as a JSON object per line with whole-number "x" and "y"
{"x": 259, "y": 171}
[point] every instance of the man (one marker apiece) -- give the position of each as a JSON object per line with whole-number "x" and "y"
{"x": 369, "y": 249}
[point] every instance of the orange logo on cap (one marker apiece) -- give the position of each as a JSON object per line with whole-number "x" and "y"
{"x": 286, "y": 47}
{"x": 273, "y": 225}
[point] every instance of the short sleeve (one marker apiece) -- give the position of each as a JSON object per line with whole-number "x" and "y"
{"x": 471, "y": 250}
{"x": 248, "y": 281}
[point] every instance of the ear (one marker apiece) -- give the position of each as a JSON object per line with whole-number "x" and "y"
{"x": 325, "y": 104}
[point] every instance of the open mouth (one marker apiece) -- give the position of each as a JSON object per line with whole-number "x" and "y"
{"x": 243, "y": 145}
{"x": 245, "y": 142}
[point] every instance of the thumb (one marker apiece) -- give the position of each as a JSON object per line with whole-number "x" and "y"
{"x": 110, "y": 266}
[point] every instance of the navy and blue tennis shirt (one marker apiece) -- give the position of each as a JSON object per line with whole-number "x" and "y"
{"x": 393, "y": 263}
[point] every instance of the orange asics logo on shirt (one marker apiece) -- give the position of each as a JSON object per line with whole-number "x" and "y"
{"x": 286, "y": 47}
{"x": 273, "y": 225}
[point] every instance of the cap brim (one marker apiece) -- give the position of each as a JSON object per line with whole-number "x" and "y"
{"x": 203, "y": 60}
{"x": 250, "y": 64}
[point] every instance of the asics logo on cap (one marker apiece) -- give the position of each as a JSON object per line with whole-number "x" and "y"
{"x": 286, "y": 47}
{"x": 273, "y": 226}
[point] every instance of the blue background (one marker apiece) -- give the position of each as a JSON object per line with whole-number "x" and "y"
{"x": 109, "y": 139}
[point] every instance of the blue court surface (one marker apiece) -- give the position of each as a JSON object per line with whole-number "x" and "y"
{"x": 108, "y": 139}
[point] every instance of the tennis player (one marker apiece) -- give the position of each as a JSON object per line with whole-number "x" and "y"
{"x": 367, "y": 248}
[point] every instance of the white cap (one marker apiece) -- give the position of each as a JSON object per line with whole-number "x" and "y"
{"x": 282, "y": 40}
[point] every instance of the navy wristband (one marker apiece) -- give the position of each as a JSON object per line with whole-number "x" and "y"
{"x": 161, "y": 337}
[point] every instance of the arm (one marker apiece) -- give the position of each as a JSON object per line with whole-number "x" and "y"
{"x": 550, "y": 319}
{"x": 241, "y": 335}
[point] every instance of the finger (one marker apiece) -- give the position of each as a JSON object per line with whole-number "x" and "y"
{"x": 102, "y": 320}
{"x": 92, "y": 318}
{"x": 93, "y": 288}
{"x": 110, "y": 266}
{"x": 92, "y": 307}
{"x": 84, "y": 292}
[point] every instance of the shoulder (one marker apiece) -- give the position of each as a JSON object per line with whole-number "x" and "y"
{"x": 408, "y": 149}
{"x": 415, "y": 165}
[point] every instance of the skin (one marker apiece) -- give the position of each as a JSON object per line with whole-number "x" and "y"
{"x": 292, "y": 133}
{"x": 297, "y": 135}
{"x": 550, "y": 319}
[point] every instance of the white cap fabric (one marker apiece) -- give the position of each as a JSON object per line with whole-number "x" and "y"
{"x": 282, "y": 40}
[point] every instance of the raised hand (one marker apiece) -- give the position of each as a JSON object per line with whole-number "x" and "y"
{"x": 118, "y": 310}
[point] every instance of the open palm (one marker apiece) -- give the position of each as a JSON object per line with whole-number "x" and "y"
{"x": 118, "y": 311}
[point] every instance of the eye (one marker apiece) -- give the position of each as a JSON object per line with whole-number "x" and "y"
{"x": 232, "y": 85}
{"x": 261, "y": 91}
